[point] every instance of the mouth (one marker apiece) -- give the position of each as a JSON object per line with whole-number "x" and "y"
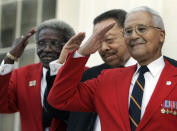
{"x": 109, "y": 57}
{"x": 47, "y": 57}
{"x": 134, "y": 44}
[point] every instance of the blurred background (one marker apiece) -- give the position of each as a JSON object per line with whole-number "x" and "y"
{"x": 19, "y": 16}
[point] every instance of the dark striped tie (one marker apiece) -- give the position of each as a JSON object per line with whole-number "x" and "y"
{"x": 46, "y": 116}
{"x": 136, "y": 99}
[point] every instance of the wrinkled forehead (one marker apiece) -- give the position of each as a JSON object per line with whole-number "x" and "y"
{"x": 138, "y": 17}
{"x": 116, "y": 30}
{"x": 104, "y": 23}
{"x": 51, "y": 33}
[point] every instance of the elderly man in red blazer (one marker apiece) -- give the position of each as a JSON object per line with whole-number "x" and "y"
{"x": 23, "y": 89}
{"x": 141, "y": 97}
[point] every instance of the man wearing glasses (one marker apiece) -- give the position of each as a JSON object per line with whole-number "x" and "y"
{"x": 140, "y": 97}
{"x": 25, "y": 89}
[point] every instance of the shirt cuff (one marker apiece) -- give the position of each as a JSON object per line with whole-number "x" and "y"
{"x": 77, "y": 55}
{"x": 54, "y": 67}
{"x": 6, "y": 68}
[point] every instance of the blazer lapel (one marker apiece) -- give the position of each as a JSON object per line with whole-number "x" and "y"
{"x": 123, "y": 94}
{"x": 162, "y": 90}
{"x": 34, "y": 91}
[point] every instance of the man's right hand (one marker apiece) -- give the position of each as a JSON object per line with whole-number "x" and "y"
{"x": 73, "y": 44}
{"x": 18, "y": 46}
{"x": 95, "y": 41}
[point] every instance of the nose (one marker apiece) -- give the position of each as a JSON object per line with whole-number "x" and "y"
{"x": 47, "y": 48}
{"x": 105, "y": 47}
{"x": 134, "y": 34}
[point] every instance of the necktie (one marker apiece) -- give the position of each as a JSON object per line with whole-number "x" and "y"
{"x": 46, "y": 116}
{"x": 48, "y": 112}
{"x": 136, "y": 99}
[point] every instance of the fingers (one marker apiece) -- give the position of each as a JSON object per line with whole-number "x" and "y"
{"x": 27, "y": 36}
{"x": 77, "y": 39}
{"x": 106, "y": 29}
{"x": 26, "y": 42}
{"x": 80, "y": 36}
{"x": 20, "y": 43}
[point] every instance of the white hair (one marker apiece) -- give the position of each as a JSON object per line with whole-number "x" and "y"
{"x": 58, "y": 25}
{"x": 156, "y": 18}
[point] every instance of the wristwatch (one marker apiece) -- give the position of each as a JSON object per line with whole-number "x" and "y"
{"x": 10, "y": 56}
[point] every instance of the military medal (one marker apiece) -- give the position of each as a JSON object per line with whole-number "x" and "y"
{"x": 163, "y": 108}
{"x": 174, "y": 113}
{"x": 163, "y": 111}
{"x": 174, "y": 106}
{"x": 171, "y": 111}
{"x": 169, "y": 107}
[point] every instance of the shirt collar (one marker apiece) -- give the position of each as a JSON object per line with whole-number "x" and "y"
{"x": 131, "y": 61}
{"x": 155, "y": 67}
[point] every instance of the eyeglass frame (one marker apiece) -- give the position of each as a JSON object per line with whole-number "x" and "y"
{"x": 49, "y": 43}
{"x": 138, "y": 32}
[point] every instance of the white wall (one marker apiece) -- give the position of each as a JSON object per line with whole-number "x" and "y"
{"x": 80, "y": 14}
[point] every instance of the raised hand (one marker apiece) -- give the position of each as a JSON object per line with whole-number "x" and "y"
{"x": 94, "y": 42}
{"x": 18, "y": 46}
{"x": 73, "y": 44}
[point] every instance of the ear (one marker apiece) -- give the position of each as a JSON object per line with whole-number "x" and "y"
{"x": 162, "y": 36}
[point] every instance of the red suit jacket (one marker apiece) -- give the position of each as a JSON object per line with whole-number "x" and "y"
{"x": 21, "y": 91}
{"x": 108, "y": 96}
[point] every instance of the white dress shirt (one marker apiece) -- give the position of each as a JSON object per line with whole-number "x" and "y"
{"x": 151, "y": 79}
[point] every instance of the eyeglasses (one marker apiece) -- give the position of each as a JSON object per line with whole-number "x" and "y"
{"x": 52, "y": 43}
{"x": 139, "y": 29}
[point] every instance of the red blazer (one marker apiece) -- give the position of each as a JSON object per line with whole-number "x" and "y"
{"x": 108, "y": 96}
{"x": 21, "y": 91}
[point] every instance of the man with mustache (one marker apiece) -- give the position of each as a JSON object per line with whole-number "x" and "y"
{"x": 24, "y": 89}
{"x": 139, "y": 97}
{"x": 114, "y": 53}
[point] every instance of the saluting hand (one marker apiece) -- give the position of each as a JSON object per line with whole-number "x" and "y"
{"x": 19, "y": 45}
{"x": 73, "y": 44}
{"x": 94, "y": 42}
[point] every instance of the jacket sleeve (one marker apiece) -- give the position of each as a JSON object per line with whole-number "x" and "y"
{"x": 68, "y": 93}
{"x": 8, "y": 93}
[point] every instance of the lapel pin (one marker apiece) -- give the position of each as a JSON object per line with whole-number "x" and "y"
{"x": 168, "y": 83}
{"x": 32, "y": 83}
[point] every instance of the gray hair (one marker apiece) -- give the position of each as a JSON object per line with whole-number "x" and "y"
{"x": 58, "y": 25}
{"x": 157, "y": 19}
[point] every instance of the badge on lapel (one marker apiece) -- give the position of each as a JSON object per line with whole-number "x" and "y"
{"x": 168, "y": 83}
{"x": 169, "y": 107}
{"x": 32, "y": 83}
